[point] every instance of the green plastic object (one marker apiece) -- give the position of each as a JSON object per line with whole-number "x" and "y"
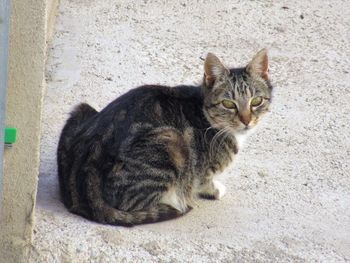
{"x": 10, "y": 135}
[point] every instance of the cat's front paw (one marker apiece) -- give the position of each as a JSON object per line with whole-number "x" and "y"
{"x": 220, "y": 189}
{"x": 215, "y": 190}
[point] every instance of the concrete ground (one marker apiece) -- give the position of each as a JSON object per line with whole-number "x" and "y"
{"x": 288, "y": 195}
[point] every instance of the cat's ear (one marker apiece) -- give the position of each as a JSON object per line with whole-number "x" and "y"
{"x": 259, "y": 65}
{"x": 213, "y": 69}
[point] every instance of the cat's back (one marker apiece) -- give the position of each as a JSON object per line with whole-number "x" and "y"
{"x": 151, "y": 103}
{"x": 148, "y": 95}
{"x": 145, "y": 106}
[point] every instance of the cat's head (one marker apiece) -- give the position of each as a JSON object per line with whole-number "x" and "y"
{"x": 237, "y": 98}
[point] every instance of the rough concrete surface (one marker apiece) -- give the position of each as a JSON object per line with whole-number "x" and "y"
{"x": 288, "y": 194}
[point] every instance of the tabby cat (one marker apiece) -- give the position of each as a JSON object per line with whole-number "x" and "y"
{"x": 144, "y": 157}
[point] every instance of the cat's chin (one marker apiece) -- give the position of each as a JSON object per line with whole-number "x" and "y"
{"x": 243, "y": 130}
{"x": 242, "y": 134}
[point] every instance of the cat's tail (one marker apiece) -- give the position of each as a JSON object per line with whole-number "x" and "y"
{"x": 101, "y": 211}
{"x": 109, "y": 215}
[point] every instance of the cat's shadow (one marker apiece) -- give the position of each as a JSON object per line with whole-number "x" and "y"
{"x": 48, "y": 196}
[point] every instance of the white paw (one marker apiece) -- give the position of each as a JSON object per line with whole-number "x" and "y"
{"x": 220, "y": 189}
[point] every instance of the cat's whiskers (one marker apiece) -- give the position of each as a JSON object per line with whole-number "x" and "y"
{"x": 215, "y": 139}
{"x": 225, "y": 135}
{"x": 205, "y": 133}
{"x": 219, "y": 139}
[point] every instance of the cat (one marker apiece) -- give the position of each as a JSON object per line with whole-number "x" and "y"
{"x": 149, "y": 153}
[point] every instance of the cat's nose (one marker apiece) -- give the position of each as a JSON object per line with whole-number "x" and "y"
{"x": 245, "y": 118}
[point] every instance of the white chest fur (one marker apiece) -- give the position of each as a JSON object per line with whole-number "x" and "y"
{"x": 240, "y": 138}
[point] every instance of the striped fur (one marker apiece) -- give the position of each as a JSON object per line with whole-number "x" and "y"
{"x": 148, "y": 154}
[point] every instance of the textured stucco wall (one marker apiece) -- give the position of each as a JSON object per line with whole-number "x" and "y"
{"x": 51, "y": 11}
{"x": 30, "y": 22}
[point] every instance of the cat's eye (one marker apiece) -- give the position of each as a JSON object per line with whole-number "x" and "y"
{"x": 256, "y": 101}
{"x": 229, "y": 104}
